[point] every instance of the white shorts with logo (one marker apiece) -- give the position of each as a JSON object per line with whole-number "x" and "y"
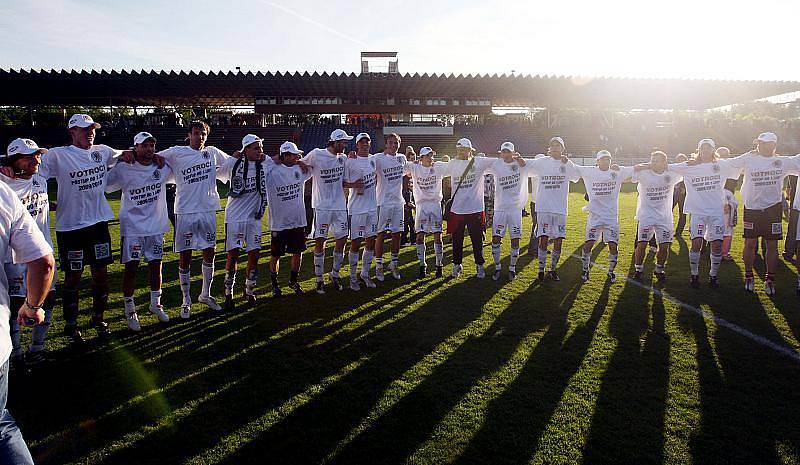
{"x": 391, "y": 219}
{"x": 598, "y": 228}
{"x": 363, "y": 225}
{"x": 503, "y": 221}
{"x": 17, "y": 274}
{"x": 553, "y": 225}
{"x": 333, "y": 221}
{"x": 662, "y": 232}
{"x": 137, "y": 247}
{"x": 195, "y": 231}
{"x": 429, "y": 217}
{"x": 710, "y": 228}
{"x": 243, "y": 235}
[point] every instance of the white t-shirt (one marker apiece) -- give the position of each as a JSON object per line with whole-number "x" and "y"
{"x": 705, "y": 184}
{"x": 552, "y": 194}
{"x": 362, "y": 200}
{"x": 427, "y": 181}
{"x": 510, "y": 185}
{"x": 603, "y": 189}
{"x": 389, "y": 171}
{"x": 654, "y": 203}
{"x": 328, "y": 173}
{"x": 195, "y": 177}
{"x": 470, "y": 196}
{"x": 143, "y": 209}
{"x": 244, "y": 206}
{"x": 33, "y": 195}
{"x": 535, "y": 180}
{"x": 287, "y": 209}
{"x": 81, "y": 177}
{"x": 20, "y": 236}
{"x": 763, "y": 178}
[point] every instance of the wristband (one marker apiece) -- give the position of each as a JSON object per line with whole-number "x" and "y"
{"x": 35, "y": 308}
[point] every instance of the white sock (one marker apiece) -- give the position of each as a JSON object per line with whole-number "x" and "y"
{"x": 438, "y": 249}
{"x": 586, "y": 259}
{"x": 659, "y": 267}
{"x": 421, "y": 254}
{"x": 366, "y": 261}
{"x": 394, "y": 262}
{"x": 554, "y": 259}
{"x": 130, "y": 306}
{"x": 542, "y": 259}
{"x": 638, "y": 268}
{"x": 612, "y": 262}
{"x": 250, "y": 283}
{"x": 694, "y": 263}
{"x": 352, "y": 259}
{"x": 185, "y": 279}
{"x": 319, "y": 265}
{"x": 512, "y": 266}
{"x": 496, "y": 255}
{"x": 208, "y": 277}
{"x": 155, "y": 298}
{"x": 715, "y": 261}
{"x": 338, "y": 259}
{"x": 379, "y": 263}
{"x": 230, "y": 281}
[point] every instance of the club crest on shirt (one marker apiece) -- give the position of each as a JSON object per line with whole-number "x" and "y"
{"x": 296, "y": 175}
{"x": 340, "y": 160}
{"x": 205, "y": 154}
{"x": 514, "y": 168}
{"x": 156, "y": 175}
{"x": 372, "y": 163}
{"x": 777, "y": 163}
{"x": 715, "y": 168}
{"x": 562, "y": 169}
{"x": 398, "y": 160}
{"x": 96, "y": 157}
{"x": 35, "y": 182}
{"x": 237, "y": 183}
{"x": 613, "y": 175}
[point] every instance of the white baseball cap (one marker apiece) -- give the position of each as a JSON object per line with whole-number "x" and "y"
{"x": 706, "y": 141}
{"x": 507, "y": 146}
{"x": 363, "y": 135}
{"x": 464, "y": 143}
{"x": 425, "y": 151}
{"x": 603, "y": 154}
{"x": 767, "y": 137}
{"x": 21, "y": 146}
{"x": 249, "y": 139}
{"x": 80, "y": 120}
{"x": 141, "y": 137}
{"x": 339, "y": 134}
{"x": 559, "y": 140}
{"x": 290, "y": 147}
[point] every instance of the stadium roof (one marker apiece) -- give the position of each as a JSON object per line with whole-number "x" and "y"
{"x": 159, "y": 88}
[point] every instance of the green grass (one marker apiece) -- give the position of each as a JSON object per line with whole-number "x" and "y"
{"x": 437, "y": 371}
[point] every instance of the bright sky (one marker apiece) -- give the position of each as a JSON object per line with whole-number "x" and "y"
{"x": 634, "y": 38}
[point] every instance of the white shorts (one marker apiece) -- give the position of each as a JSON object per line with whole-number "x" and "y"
{"x": 553, "y": 225}
{"x": 598, "y": 228}
{"x": 334, "y": 221}
{"x": 662, "y": 232}
{"x": 391, "y": 219}
{"x": 428, "y": 218}
{"x": 18, "y": 282}
{"x": 137, "y": 247}
{"x": 195, "y": 231}
{"x": 503, "y": 221}
{"x": 243, "y": 235}
{"x": 710, "y": 228}
{"x": 363, "y": 225}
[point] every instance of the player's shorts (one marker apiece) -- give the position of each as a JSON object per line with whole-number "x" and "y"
{"x": 429, "y": 218}
{"x": 244, "y": 235}
{"x": 291, "y": 241}
{"x": 598, "y": 228}
{"x": 195, "y": 231}
{"x": 553, "y": 225}
{"x": 363, "y": 225}
{"x": 135, "y": 248}
{"x": 662, "y": 232}
{"x": 503, "y": 221}
{"x": 17, "y": 274}
{"x": 333, "y": 221}
{"x": 710, "y": 227}
{"x": 86, "y": 246}
{"x": 391, "y": 218}
{"x": 766, "y": 223}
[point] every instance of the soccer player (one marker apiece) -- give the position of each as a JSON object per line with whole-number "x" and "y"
{"x": 24, "y": 157}
{"x": 82, "y": 219}
{"x": 389, "y": 166}
{"x": 362, "y": 207}
{"x": 602, "y": 187}
{"x": 510, "y": 175}
{"x": 143, "y": 220}
{"x": 287, "y": 219}
{"x": 196, "y": 203}
{"x": 467, "y": 209}
{"x": 247, "y": 202}
{"x": 330, "y": 207}
{"x": 426, "y": 179}
{"x": 654, "y": 212}
{"x": 555, "y": 172}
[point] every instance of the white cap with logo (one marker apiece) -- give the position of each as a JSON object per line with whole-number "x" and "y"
{"x": 464, "y": 143}
{"x": 290, "y": 147}
{"x": 141, "y": 137}
{"x": 79, "y": 120}
{"x": 339, "y": 134}
{"x": 603, "y": 154}
{"x": 559, "y": 140}
{"x": 767, "y": 137}
{"x": 249, "y": 139}
{"x": 363, "y": 135}
{"x": 707, "y": 142}
{"x": 507, "y": 147}
{"x": 425, "y": 151}
{"x": 21, "y": 146}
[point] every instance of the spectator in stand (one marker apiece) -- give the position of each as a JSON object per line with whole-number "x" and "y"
{"x": 679, "y": 195}
{"x": 411, "y": 155}
{"x": 408, "y": 212}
